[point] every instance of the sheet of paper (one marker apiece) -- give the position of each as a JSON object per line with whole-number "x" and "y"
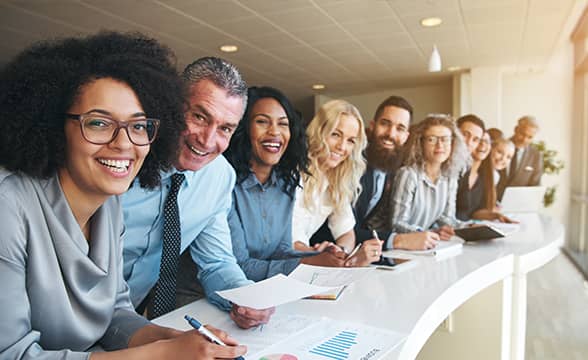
{"x": 280, "y": 327}
{"x": 328, "y": 276}
{"x": 336, "y": 340}
{"x": 274, "y": 291}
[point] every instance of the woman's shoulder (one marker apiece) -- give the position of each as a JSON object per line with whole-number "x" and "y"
{"x": 15, "y": 186}
{"x": 408, "y": 171}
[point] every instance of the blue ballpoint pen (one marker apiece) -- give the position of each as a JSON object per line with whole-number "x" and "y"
{"x": 207, "y": 333}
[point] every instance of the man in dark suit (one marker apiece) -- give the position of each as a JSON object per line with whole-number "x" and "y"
{"x": 526, "y": 166}
{"x": 386, "y": 133}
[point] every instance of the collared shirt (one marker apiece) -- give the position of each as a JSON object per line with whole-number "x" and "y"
{"x": 307, "y": 220}
{"x": 204, "y": 201}
{"x": 419, "y": 204}
{"x": 261, "y": 228}
{"x": 61, "y": 294}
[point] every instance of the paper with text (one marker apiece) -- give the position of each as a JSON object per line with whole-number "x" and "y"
{"x": 279, "y": 328}
{"x": 305, "y": 280}
{"x": 336, "y": 340}
{"x": 274, "y": 291}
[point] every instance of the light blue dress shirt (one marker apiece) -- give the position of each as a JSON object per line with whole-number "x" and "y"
{"x": 261, "y": 228}
{"x": 204, "y": 202}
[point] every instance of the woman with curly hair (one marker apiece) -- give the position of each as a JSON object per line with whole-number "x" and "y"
{"x": 336, "y": 140}
{"x": 425, "y": 187}
{"x": 78, "y": 121}
{"x": 268, "y": 152}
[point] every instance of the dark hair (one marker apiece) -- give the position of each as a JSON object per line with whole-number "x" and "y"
{"x": 39, "y": 86}
{"x": 293, "y": 162}
{"x": 397, "y": 101}
{"x": 473, "y": 119}
{"x": 486, "y": 172}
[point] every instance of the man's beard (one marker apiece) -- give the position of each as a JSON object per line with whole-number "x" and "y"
{"x": 382, "y": 158}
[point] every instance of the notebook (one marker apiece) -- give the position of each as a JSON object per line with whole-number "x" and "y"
{"x": 479, "y": 233}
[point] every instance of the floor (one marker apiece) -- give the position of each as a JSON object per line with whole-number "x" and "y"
{"x": 557, "y": 317}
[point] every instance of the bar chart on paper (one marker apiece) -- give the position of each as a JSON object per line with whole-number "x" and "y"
{"x": 336, "y": 347}
{"x": 334, "y": 340}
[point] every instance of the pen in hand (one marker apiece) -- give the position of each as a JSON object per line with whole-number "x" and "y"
{"x": 207, "y": 333}
{"x": 375, "y": 235}
{"x": 354, "y": 251}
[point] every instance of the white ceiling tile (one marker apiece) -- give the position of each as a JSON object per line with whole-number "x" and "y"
{"x": 215, "y": 13}
{"x": 265, "y": 6}
{"x": 389, "y": 41}
{"x": 451, "y": 20}
{"x": 251, "y": 27}
{"x": 439, "y": 35}
{"x": 494, "y": 15}
{"x": 423, "y": 8}
{"x": 321, "y": 35}
{"x": 487, "y": 4}
{"x": 377, "y": 27}
{"x": 358, "y": 11}
{"x": 37, "y": 25}
{"x": 296, "y": 19}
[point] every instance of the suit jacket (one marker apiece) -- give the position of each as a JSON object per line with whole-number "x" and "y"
{"x": 528, "y": 172}
{"x": 362, "y": 230}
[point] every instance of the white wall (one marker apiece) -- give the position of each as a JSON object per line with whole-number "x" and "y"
{"x": 548, "y": 95}
{"x": 426, "y": 99}
{"x": 501, "y": 95}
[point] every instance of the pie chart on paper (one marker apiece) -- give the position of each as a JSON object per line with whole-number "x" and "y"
{"x": 278, "y": 357}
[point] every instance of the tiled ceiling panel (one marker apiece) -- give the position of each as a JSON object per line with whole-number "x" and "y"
{"x": 350, "y": 45}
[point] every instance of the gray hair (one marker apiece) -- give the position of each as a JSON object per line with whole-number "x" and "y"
{"x": 220, "y": 72}
{"x": 528, "y": 120}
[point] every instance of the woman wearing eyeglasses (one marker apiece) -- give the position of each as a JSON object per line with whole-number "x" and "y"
{"x": 425, "y": 187}
{"x": 78, "y": 121}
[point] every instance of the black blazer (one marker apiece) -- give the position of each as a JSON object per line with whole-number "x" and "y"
{"x": 362, "y": 232}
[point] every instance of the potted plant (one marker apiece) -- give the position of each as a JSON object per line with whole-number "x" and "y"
{"x": 551, "y": 165}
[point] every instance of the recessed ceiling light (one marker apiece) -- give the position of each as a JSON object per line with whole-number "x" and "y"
{"x": 229, "y": 48}
{"x": 431, "y": 21}
{"x": 318, "y": 86}
{"x": 454, "y": 68}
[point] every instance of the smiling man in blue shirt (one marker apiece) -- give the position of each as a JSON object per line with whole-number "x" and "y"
{"x": 217, "y": 98}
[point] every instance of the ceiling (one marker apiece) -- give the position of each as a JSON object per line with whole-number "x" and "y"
{"x": 351, "y": 46}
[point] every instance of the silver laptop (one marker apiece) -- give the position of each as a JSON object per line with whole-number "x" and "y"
{"x": 522, "y": 199}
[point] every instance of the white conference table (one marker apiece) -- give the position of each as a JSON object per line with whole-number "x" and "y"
{"x": 483, "y": 291}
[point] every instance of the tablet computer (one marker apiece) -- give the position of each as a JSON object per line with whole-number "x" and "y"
{"x": 479, "y": 233}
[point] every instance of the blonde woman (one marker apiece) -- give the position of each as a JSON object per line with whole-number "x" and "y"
{"x": 336, "y": 140}
{"x": 425, "y": 187}
{"x": 502, "y": 152}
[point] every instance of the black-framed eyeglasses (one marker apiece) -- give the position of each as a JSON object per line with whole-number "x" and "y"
{"x": 100, "y": 129}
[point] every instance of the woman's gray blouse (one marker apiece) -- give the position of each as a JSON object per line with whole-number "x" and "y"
{"x": 59, "y": 294}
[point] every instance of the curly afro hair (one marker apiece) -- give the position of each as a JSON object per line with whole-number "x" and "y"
{"x": 39, "y": 86}
{"x": 295, "y": 158}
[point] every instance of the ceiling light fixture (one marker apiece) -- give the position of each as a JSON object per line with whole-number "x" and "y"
{"x": 229, "y": 48}
{"x": 435, "y": 60}
{"x": 318, "y": 86}
{"x": 431, "y": 22}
